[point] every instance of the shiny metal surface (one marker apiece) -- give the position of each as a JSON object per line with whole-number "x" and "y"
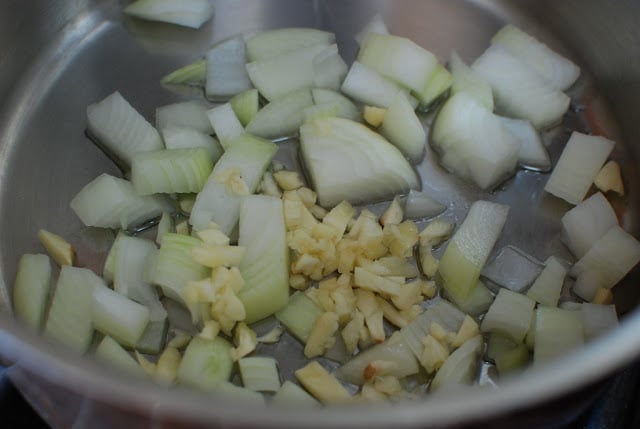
{"x": 58, "y": 56}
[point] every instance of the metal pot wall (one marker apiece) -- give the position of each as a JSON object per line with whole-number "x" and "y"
{"x": 58, "y": 56}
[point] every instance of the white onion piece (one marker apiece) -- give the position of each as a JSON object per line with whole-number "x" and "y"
{"x": 419, "y": 205}
{"x": 518, "y": 91}
{"x": 31, "y": 289}
{"x": 513, "y": 268}
{"x": 188, "y": 13}
{"x": 118, "y": 316}
{"x": 533, "y": 154}
{"x": 187, "y": 114}
{"x": 282, "y": 117}
{"x": 509, "y": 315}
{"x": 557, "y": 332}
{"x": 375, "y": 25}
{"x": 226, "y": 72}
{"x": 473, "y": 143}
{"x": 184, "y": 138}
{"x": 461, "y": 366}
{"x": 403, "y": 128}
{"x": 225, "y": 123}
{"x": 579, "y": 164}
{"x": 120, "y": 128}
{"x": 610, "y": 258}
{"x": 273, "y": 43}
{"x": 348, "y": 161}
{"x": 586, "y": 285}
{"x": 467, "y": 80}
{"x": 369, "y": 87}
{"x": 346, "y": 108}
{"x": 547, "y": 287}
{"x": 280, "y": 75}
{"x": 598, "y": 319}
{"x": 329, "y": 69}
{"x": 584, "y": 224}
{"x": 478, "y": 301}
{"x": 557, "y": 70}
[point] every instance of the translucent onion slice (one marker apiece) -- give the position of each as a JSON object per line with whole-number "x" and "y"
{"x": 547, "y": 287}
{"x": 370, "y": 87}
{"x": 31, "y": 289}
{"x": 329, "y": 69}
{"x": 116, "y": 315}
{"x": 226, "y": 72}
{"x": 187, "y": 114}
{"x": 557, "y": 332}
{"x": 402, "y": 127}
{"x": 419, "y": 205}
{"x": 533, "y": 154}
{"x": 467, "y": 80}
{"x": 509, "y": 315}
{"x": 375, "y": 25}
{"x": 185, "y": 138}
{"x": 188, "y": 13}
{"x": 460, "y": 367}
{"x": 346, "y": 108}
{"x": 282, "y": 117}
{"x": 273, "y": 43}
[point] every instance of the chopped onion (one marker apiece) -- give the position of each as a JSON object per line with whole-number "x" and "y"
{"x": 188, "y": 13}
{"x": 403, "y": 128}
{"x": 461, "y": 365}
{"x": 375, "y": 25}
{"x": 282, "y": 117}
{"x": 346, "y": 108}
{"x": 468, "y": 81}
{"x": 31, "y": 289}
{"x": 329, "y": 69}
{"x": 509, "y": 315}
{"x": 259, "y": 373}
{"x": 547, "y": 287}
{"x": 272, "y": 43}
{"x": 369, "y": 87}
{"x": 225, "y": 123}
{"x": 186, "y": 114}
{"x": 184, "y": 138}
{"x": 557, "y": 332}
{"x": 598, "y": 319}
{"x": 419, "y": 205}
{"x": 533, "y": 154}
{"x": 226, "y": 72}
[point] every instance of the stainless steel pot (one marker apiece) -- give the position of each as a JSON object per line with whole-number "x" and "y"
{"x": 57, "y": 56}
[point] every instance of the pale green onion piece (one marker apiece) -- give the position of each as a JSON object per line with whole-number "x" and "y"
{"x": 245, "y": 105}
{"x": 610, "y": 258}
{"x": 265, "y": 266}
{"x": 419, "y": 205}
{"x": 250, "y": 157}
{"x": 31, "y": 289}
{"x": 470, "y": 247}
{"x": 108, "y": 268}
{"x": 385, "y": 53}
{"x": 478, "y": 301}
{"x": 464, "y": 79}
{"x": 175, "y": 267}
{"x": 346, "y": 108}
{"x": 403, "y": 128}
{"x": 282, "y": 74}
{"x": 187, "y": 13}
{"x": 557, "y": 70}
{"x": 598, "y": 319}
{"x": 226, "y": 72}
{"x": 111, "y": 202}
{"x": 116, "y": 315}
{"x": 206, "y": 363}
{"x": 273, "y": 43}
{"x": 153, "y": 338}
{"x": 69, "y": 319}
{"x": 225, "y": 123}
{"x": 186, "y": 114}
{"x": 579, "y": 164}
{"x": 164, "y": 226}
{"x": 547, "y": 287}
{"x": 259, "y": 373}
{"x": 171, "y": 171}
{"x": 112, "y": 353}
{"x": 188, "y": 138}
{"x": 375, "y": 25}
{"x": 348, "y": 161}
{"x": 587, "y": 285}
{"x": 509, "y": 315}
{"x": 329, "y": 69}
{"x": 584, "y": 224}
{"x": 370, "y": 87}
{"x": 437, "y": 84}
{"x": 193, "y": 74}
{"x": 128, "y": 276}
{"x": 315, "y": 111}
{"x": 533, "y": 154}
{"x": 518, "y": 90}
{"x": 395, "y": 350}
{"x": 497, "y": 344}
{"x": 240, "y": 394}
{"x": 120, "y": 129}
{"x": 167, "y": 366}
{"x": 473, "y": 143}
{"x": 460, "y": 367}
{"x": 558, "y": 332}
{"x": 282, "y": 117}
{"x": 506, "y": 354}
{"x": 299, "y": 315}
{"x": 290, "y": 394}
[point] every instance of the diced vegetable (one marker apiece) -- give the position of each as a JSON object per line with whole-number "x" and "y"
{"x": 370, "y": 87}
{"x": 31, "y": 289}
{"x": 291, "y": 394}
{"x": 347, "y": 161}
{"x": 473, "y": 143}
{"x": 509, "y": 315}
{"x": 532, "y": 155}
{"x": 329, "y": 69}
{"x": 110, "y": 202}
{"x": 580, "y": 162}
{"x": 117, "y": 316}
{"x": 69, "y": 319}
{"x": 598, "y": 319}
{"x": 240, "y": 394}
{"x": 609, "y": 178}
{"x": 321, "y": 384}
{"x": 557, "y": 332}
{"x": 188, "y": 13}
{"x": 346, "y": 108}
{"x": 375, "y": 25}
{"x": 272, "y": 43}
{"x": 154, "y": 336}
{"x": 548, "y": 286}
{"x": 460, "y": 367}
{"x": 206, "y": 363}
{"x": 299, "y": 315}
{"x": 121, "y": 129}
{"x": 245, "y": 105}
{"x": 518, "y": 91}
{"x": 225, "y": 123}
{"x": 186, "y": 114}
{"x": 259, "y": 373}
{"x": 265, "y": 266}
{"x": 403, "y": 128}
{"x": 238, "y": 172}
{"x": 469, "y": 249}
{"x": 557, "y": 70}
{"x": 185, "y": 138}
{"x": 112, "y": 353}
{"x": 281, "y": 118}
{"x": 464, "y": 79}
{"x": 194, "y": 74}
{"x": 478, "y": 301}
{"x": 226, "y": 72}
